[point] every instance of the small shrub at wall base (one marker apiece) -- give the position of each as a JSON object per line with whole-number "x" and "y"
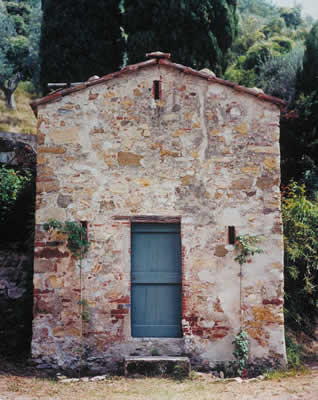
{"x": 241, "y": 352}
{"x": 77, "y": 241}
{"x": 293, "y": 351}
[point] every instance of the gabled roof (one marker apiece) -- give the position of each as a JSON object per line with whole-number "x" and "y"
{"x": 156, "y": 58}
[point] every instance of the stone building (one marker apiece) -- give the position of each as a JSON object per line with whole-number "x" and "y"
{"x": 166, "y": 166}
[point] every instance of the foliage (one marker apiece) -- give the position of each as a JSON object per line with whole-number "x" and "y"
{"x": 6, "y": 32}
{"x": 12, "y": 184}
{"x": 274, "y": 27}
{"x": 293, "y": 351}
{"x": 246, "y": 245}
{"x": 241, "y": 351}
{"x": 19, "y": 32}
{"x": 277, "y": 75}
{"x": 291, "y": 16}
{"x": 259, "y": 53}
{"x": 198, "y": 33}
{"x": 79, "y": 39}
{"x": 262, "y": 8}
{"x": 155, "y": 352}
{"x": 76, "y": 235}
{"x": 300, "y": 218}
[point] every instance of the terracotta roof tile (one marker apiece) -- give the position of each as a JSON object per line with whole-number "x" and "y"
{"x": 161, "y": 59}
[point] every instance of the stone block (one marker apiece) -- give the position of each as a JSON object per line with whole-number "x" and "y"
{"x": 242, "y": 184}
{"x": 64, "y": 200}
{"x": 51, "y": 149}
{"x": 129, "y": 159}
{"x": 47, "y": 187}
{"x": 65, "y": 135}
{"x": 43, "y": 265}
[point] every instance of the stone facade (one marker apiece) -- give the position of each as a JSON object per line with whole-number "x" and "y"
{"x": 204, "y": 154}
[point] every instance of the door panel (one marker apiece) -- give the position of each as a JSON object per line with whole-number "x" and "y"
{"x": 156, "y": 280}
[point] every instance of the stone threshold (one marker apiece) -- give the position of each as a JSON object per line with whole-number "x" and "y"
{"x": 157, "y": 365}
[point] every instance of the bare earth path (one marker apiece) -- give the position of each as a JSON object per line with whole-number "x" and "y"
{"x": 24, "y": 385}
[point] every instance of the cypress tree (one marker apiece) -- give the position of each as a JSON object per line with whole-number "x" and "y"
{"x": 308, "y": 80}
{"x": 79, "y": 38}
{"x": 299, "y": 136}
{"x": 197, "y": 32}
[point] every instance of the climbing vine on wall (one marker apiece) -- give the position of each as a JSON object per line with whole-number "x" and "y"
{"x": 246, "y": 246}
{"x": 77, "y": 241}
{"x": 78, "y": 244}
{"x": 241, "y": 351}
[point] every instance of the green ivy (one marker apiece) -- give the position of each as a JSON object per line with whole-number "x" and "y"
{"x": 12, "y": 184}
{"x": 246, "y": 245}
{"x": 76, "y": 235}
{"x": 241, "y": 351}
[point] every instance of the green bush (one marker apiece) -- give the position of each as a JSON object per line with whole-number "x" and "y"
{"x": 12, "y": 184}
{"x": 284, "y": 43}
{"x": 293, "y": 351}
{"x": 300, "y": 218}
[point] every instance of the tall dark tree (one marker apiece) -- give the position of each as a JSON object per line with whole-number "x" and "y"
{"x": 197, "y": 32}
{"x": 299, "y": 133}
{"x": 79, "y": 38}
{"x": 308, "y": 79}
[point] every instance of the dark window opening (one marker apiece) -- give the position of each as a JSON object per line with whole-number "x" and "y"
{"x": 232, "y": 235}
{"x": 84, "y": 225}
{"x": 157, "y": 90}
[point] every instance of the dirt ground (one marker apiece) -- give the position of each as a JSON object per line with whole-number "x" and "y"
{"x": 19, "y": 382}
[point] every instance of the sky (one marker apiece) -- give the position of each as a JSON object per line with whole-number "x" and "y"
{"x": 310, "y": 7}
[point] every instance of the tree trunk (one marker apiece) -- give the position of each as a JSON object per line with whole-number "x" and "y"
{"x": 10, "y": 101}
{"x": 8, "y": 87}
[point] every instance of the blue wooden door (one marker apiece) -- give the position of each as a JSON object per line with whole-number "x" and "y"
{"x": 156, "y": 280}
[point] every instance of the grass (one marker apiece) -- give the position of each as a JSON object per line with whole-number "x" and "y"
{"x": 22, "y": 120}
{"x": 287, "y": 373}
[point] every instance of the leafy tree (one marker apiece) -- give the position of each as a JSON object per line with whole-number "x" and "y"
{"x": 79, "y": 39}
{"x": 300, "y": 217}
{"x": 277, "y": 74}
{"x": 292, "y": 16}
{"x": 197, "y": 32}
{"x": 275, "y": 26}
{"x": 8, "y": 82}
{"x": 18, "y": 47}
{"x": 262, "y": 8}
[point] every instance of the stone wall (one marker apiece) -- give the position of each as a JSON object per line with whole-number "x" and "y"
{"x": 204, "y": 154}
